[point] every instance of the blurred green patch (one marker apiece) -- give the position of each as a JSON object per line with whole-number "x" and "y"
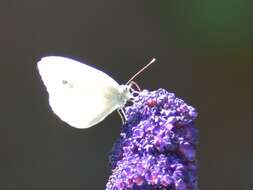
{"x": 211, "y": 27}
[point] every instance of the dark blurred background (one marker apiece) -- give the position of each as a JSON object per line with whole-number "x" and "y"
{"x": 204, "y": 54}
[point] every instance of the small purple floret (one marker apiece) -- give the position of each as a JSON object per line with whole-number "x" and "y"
{"x": 157, "y": 145}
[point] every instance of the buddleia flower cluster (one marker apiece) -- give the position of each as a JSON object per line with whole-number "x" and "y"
{"x": 157, "y": 145}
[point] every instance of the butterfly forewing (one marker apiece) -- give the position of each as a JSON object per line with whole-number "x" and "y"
{"x": 79, "y": 94}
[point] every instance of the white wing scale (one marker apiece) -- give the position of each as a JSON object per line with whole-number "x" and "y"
{"x": 79, "y": 94}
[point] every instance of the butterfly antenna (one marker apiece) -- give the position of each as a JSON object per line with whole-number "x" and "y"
{"x": 140, "y": 71}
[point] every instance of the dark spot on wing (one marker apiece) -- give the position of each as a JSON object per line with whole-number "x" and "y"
{"x": 67, "y": 83}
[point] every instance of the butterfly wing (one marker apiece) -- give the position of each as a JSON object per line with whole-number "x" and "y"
{"x": 79, "y": 94}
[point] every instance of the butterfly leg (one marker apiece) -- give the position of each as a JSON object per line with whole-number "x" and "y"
{"x": 122, "y": 115}
{"x": 132, "y": 83}
{"x": 134, "y": 91}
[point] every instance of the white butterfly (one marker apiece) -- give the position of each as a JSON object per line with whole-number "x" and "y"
{"x": 79, "y": 94}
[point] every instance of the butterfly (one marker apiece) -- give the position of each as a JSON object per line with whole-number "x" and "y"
{"x": 81, "y": 95}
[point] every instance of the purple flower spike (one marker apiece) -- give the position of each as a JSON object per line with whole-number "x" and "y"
{"x": 157, "y": 145}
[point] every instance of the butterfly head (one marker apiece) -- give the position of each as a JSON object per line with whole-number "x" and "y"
{"x": 124, "y": 94}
